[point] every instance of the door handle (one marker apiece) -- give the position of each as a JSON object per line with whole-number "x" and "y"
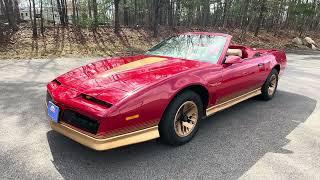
{"x": 260, "y": 64}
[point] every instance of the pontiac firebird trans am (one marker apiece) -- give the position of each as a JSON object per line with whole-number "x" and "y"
{"x": 164, "y": 93}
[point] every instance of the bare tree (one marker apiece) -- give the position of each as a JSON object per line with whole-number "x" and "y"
{"x": 261, "y": 17}
{"x": 116, "y": 16}
{"x": 90, "y": 8}
{"x": 11, "y": 16}
{"x": 125, "y": 13}
{"x": 95, "y": 14}
{"x": 41, "y": 18}
{"x": 61, "y": 12}
{"x": 74, "y": 12}
{"x": 3, "y": 8}
{"x": 178, "y": 8}
{"x": 65, "y": 8}
{"x": 156, "y": 6}
{"x": 34, "y": 24}
{"x": 53, "y": 15}
{"x": 17, "y": 11}
{"x": 225, "y": 13}
{"x": 30, "y": 12}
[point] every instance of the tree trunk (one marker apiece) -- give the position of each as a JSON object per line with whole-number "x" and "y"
{"x": 95, "y": 14}
{"x": 41, "y": 21}
{"x": 135, "y": 12}
{"x": 34, "y": 25}
{"x": 11, "y": 17}
{"x": 77, "y": 10}
{"x": 225, "y": 13}
{"x": 30, "y": 12}
{"x": 61, "y": 12}
{"x": 89, "y": 9}
{"x": 74, "y": 12}
{"x": 150, "y": 14}
{"x": 261, "y": 17}
{"x": 313, "y": 19}
{"x": 52, "y": 11}
{"x": 206, "y": 13}
{"x": 178, "y": 7}
{"x": 279, "y": 17}
{"x": 125, "y": 13}
{"x": 244, "y": 13}
{"x": 301, "y": 27}
{"x": 66, "y": 18}
{"x": 160, "y": 16}
{"x": 17, "y": 11}
{"x": 170, "y": 14}
{"x": 116, "y": 17}
{"x": 3, "y": 8}
{"x": 156, "y": 17}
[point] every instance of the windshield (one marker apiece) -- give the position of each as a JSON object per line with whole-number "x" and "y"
{"x": 203, "y": 48}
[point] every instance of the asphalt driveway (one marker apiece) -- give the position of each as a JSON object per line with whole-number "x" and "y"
{"x": 254, "y": 139}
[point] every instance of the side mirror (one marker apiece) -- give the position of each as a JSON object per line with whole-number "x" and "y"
{"x": 232, "y": 60}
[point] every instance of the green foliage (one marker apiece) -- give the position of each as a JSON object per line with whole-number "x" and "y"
{"x": 303, "y": 10}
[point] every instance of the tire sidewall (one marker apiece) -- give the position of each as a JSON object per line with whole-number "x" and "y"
{"x": 166, "y": 126}
{"x": 265, "y": 87}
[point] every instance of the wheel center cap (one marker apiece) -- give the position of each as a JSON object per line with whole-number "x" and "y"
{"x": 185, "y": 118}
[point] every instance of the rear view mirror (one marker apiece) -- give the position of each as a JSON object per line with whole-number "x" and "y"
{"x": 232, "y": 60}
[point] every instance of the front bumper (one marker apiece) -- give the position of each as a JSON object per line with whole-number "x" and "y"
{"x": 100, "y": 144}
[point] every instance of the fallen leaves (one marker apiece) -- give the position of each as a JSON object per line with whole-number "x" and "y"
{"x": 72, "y": 41}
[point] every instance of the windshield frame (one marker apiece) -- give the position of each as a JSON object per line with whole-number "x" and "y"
{"x": 223, "y": 52}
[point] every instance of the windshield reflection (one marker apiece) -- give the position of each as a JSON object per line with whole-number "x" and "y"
{"x": 203, "y": 48}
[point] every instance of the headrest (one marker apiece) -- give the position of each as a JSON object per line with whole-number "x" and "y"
{"x": 234, "y": 52}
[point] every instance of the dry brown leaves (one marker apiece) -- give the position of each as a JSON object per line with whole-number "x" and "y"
{"x": 75, "y": 42}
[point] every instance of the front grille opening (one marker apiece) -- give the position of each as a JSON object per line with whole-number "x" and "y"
{"x": 97, "y": 101}
{"x": 80, "y": 121}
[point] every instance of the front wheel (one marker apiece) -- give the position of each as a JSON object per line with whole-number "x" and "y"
{"x": 181, "y": 119}
{"x": 269, "y": 88}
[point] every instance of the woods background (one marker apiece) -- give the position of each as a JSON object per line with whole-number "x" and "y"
{"x": 81, "y": 20}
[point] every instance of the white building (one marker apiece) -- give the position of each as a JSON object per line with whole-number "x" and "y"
{"x": 49, "y": 15}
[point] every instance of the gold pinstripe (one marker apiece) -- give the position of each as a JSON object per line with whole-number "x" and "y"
{"x": 130, "y": 66}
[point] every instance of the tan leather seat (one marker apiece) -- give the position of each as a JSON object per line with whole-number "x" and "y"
{"x": 234, "y": 52}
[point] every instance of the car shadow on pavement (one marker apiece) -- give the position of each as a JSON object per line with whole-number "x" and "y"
{"x": 226, "y": 146}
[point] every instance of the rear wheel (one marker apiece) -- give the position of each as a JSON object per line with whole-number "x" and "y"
{"x": 181, "y": 120}
{"x": 269, "y": 88}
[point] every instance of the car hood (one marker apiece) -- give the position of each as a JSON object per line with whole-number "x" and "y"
{"x": 112, "y": 79}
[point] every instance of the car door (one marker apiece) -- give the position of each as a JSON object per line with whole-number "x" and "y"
{"x": 240, "y": 78}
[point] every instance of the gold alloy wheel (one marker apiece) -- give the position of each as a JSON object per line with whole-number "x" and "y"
{"x": 186, "y": 119}
{"x": 272, "y": 84}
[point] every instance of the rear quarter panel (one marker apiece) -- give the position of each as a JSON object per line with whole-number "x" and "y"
{"x": 276, "y": 57}
{"x": 281, "y": 58}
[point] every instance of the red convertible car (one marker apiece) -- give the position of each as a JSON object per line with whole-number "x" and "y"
{"x": 164, "y": 93}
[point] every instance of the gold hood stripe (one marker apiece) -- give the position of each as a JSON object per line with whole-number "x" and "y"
{"x": 130, "y": 66}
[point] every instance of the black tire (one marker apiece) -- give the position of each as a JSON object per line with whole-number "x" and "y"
{"x": 168, "y": 124}
{"x": 266, "y": 94}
